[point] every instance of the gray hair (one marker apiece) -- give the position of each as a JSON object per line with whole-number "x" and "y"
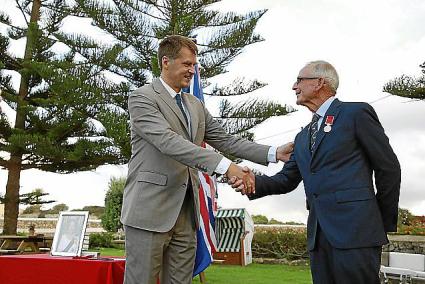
{"x": 324, "y": 69}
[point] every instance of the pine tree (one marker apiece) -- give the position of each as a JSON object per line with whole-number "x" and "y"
{"x": 140, "y": 24}
{"x": 408, "y": 87}
{"x": 69, "y": 115}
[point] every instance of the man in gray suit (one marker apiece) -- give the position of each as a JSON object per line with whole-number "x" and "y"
{"x": 160, "y": 205}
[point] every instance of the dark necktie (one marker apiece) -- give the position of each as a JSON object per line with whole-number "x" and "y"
{"x": 180, "y": 104}
{"x": 314, "y": 127}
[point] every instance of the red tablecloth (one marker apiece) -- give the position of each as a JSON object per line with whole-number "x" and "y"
{"x": 46, "y": 269}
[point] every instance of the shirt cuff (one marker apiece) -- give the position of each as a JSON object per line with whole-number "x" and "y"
{"x": 223, "y": 166}
{"x": 271, "y": 156}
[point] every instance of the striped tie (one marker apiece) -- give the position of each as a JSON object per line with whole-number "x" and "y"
{"x": 313, "y": 130}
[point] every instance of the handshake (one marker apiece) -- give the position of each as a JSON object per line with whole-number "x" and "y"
{"x": 242, "y": 179}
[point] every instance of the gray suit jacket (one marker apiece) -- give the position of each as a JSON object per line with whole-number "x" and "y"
{"x": 165, "y": 156}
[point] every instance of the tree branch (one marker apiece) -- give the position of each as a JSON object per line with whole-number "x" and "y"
{"x": 22, "y": 11}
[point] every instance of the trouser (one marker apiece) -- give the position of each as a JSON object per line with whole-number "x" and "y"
{"x": 170, "y": 254}
{"x": 331, "y": 265}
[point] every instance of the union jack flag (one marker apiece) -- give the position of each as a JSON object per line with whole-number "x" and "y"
{"x": 206, "y": 241}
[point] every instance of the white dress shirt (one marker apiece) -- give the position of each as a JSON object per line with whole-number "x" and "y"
{"x": 323, "y": 109}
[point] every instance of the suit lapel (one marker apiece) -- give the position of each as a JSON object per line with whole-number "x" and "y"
{"x": 333, "y": 111}
{"x": 165, "y": 96}
{"x": 305, "y": 139}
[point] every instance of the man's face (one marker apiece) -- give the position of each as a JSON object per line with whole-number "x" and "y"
{"x": 306, "y": 87}
{"x": 179, "y": 71}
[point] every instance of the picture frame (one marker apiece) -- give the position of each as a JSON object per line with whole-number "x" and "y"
{"x": 69, "y": 234}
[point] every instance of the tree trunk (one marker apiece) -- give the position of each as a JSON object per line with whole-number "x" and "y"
{"x": 11, "y": 203}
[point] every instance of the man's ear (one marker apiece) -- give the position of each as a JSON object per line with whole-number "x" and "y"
{"x": 165, "y": 61}
{"x": 320, "y": 83}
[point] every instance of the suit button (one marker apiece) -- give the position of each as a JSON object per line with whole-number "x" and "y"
{"x": 315, "y": 195}
{"x": 184, "y": 185}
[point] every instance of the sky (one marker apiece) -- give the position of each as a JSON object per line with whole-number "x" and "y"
{"x": 368, "y": 42}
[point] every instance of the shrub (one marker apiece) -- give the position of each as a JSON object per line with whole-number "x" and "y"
{"x": 57, "y": 209}
{"x": 280, "y": 242}
{"x": 408, "y": 224}
{"x": 113, "y": 202}
{"x": 260, "y": 219}
{"x": 103, "y": 240}
{"x": 96, "y": 211}
{"x": 32, "y": 209}
{"x": 404, "y": 217}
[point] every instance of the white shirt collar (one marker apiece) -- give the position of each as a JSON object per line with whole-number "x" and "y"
{"x": 168, "y": 88}
{"x": 325, "y": 106}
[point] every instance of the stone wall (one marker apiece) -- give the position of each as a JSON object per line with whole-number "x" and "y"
{"x": 48, "y": 225}
{"x": 406, "y": 243}
{"x": 398, "y": 243}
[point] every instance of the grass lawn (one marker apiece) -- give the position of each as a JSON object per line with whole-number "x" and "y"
{"x": 256, "y": 274}
{"x": 110, "y": 251}
{"x": 253, "y": 273}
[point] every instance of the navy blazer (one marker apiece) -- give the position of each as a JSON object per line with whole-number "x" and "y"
{"x": 338, "y": 181}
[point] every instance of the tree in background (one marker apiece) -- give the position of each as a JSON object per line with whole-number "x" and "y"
{"x": 94, "y": 210}
{"x": 260, "y": 219}
{"x": 275, "y": 222}
{"x": 32, "y": 209}
{"x": 69, "y": 115}
{"x": 113, "y": 202}
{"x": 35, "y": 201}
{"x": 139, "y": 25}
{"x": 34, "y": 197}
{"x": 408, "y": 87}
{"x": 57, "y": 208}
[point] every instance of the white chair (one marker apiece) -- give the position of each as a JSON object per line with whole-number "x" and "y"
{"x": 401, "y": 274}
{"x": 419, "y": 276}
{"x": 404, "y": 267}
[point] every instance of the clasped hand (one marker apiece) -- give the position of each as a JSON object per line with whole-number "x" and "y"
{"x": 243, "y": 179}
{"x": 244, "y": 185}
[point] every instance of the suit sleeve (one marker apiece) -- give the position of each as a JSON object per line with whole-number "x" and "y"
{"x": 218, "y": 138}
{"x": 148, "y": 122}
{"x": 384, "y": 162}
{"x": 283, "y": 182}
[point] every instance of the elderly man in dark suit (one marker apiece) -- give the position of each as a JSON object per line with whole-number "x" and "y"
{"x": 336, "y": 157}
{"x": 160, "y": 204}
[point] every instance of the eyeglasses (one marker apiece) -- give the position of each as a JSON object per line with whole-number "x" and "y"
{"x": 299, "y": 79}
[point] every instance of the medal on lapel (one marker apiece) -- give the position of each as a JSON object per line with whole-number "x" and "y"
{"x": 329, "y": 122}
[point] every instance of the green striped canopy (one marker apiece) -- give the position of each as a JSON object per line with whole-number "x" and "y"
{"x": 230, "y": 228}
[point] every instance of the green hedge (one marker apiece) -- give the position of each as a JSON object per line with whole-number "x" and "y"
{"x": 101, "y": 240}
{"x": 275, "y": 242}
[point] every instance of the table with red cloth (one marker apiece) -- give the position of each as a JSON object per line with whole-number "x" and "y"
{"x": 46, "y": 269}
